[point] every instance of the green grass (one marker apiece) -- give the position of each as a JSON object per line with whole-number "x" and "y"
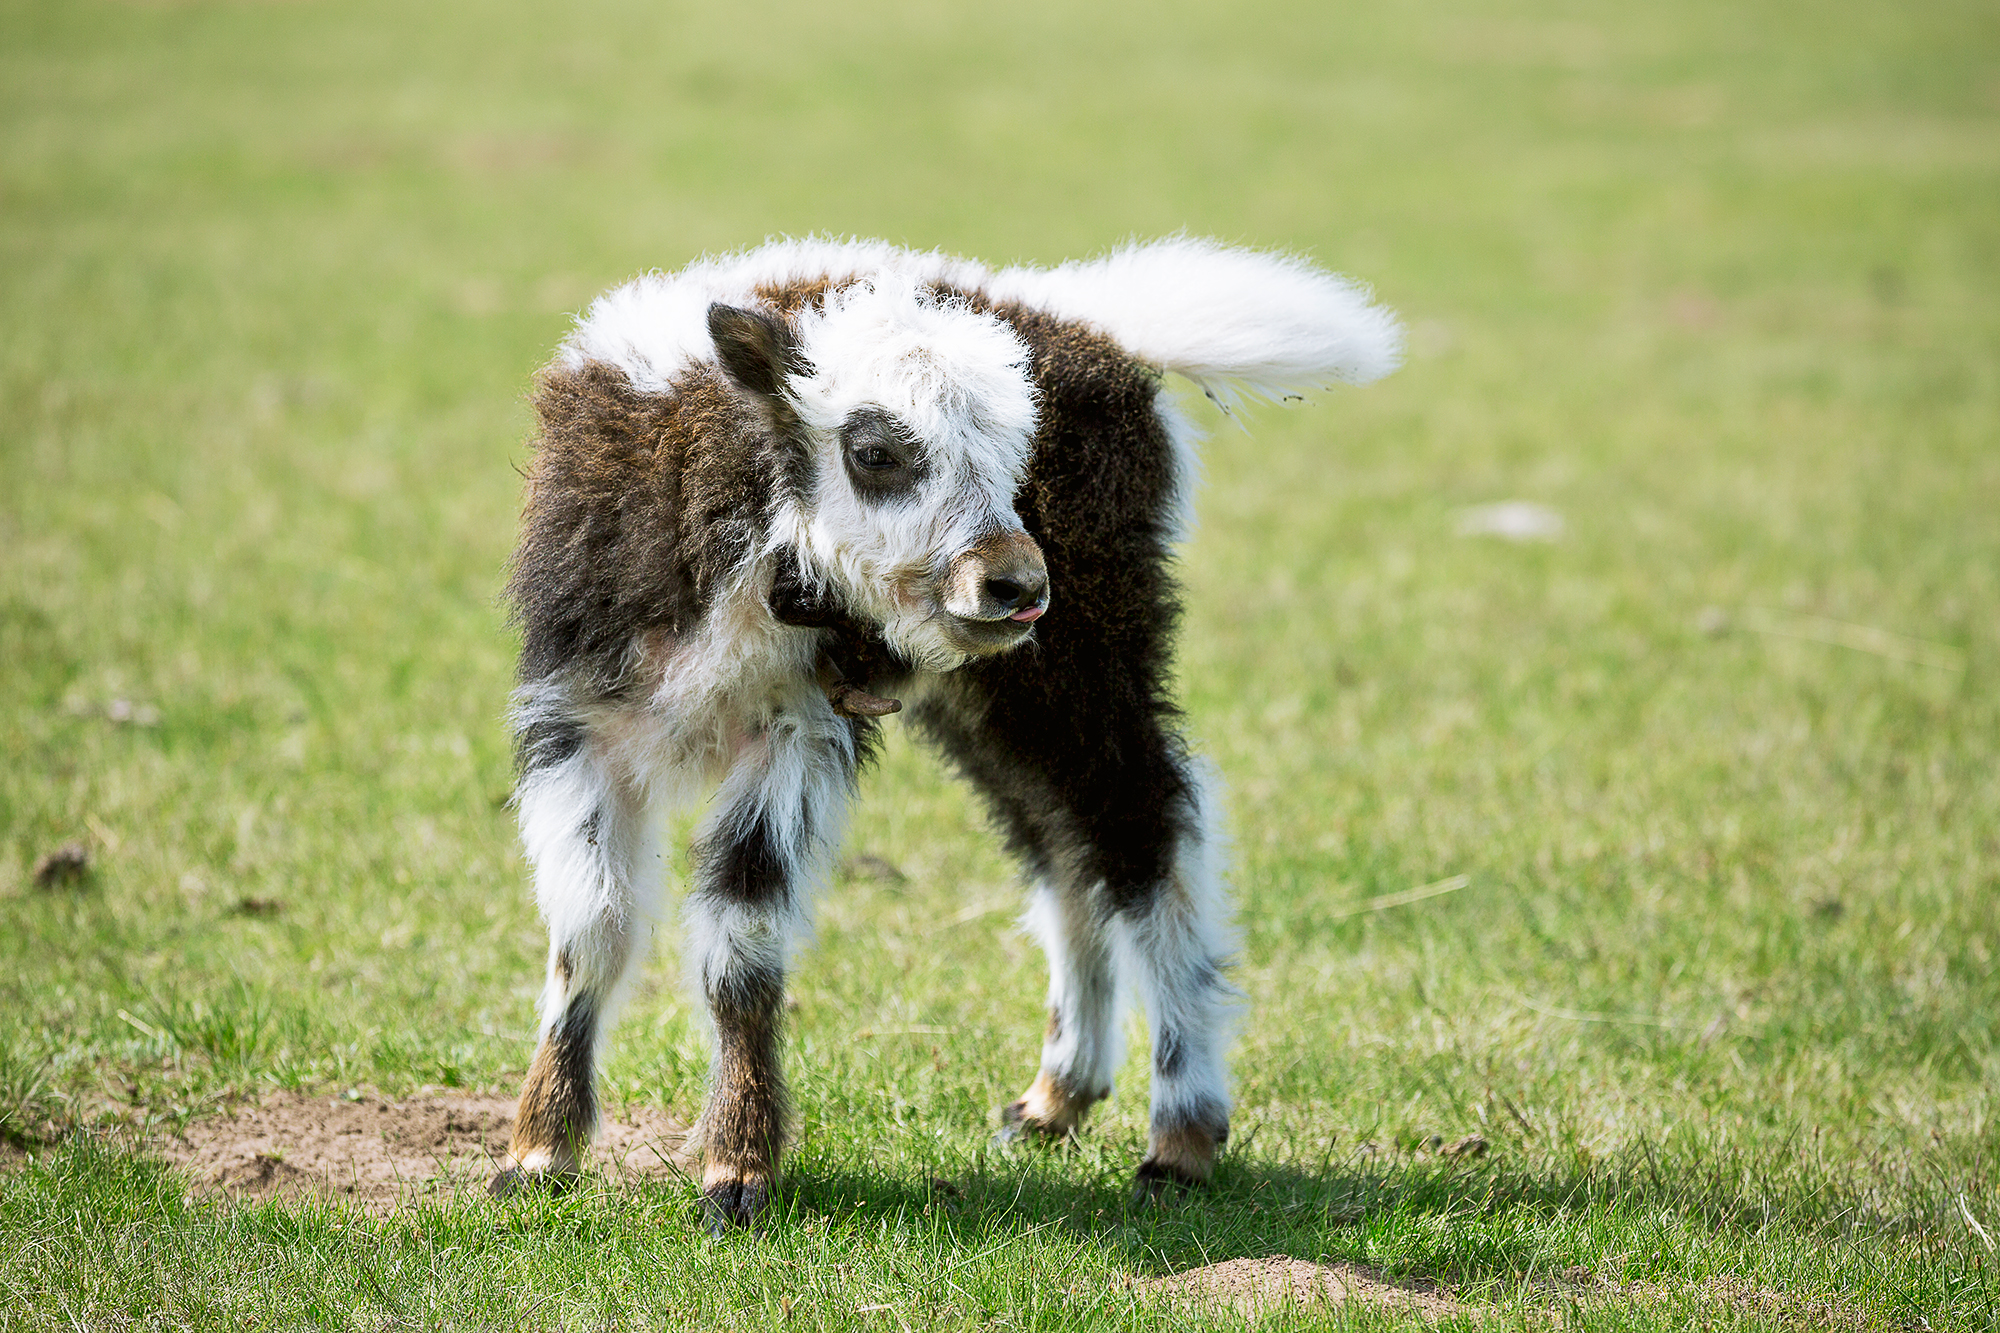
{"x": 1720, "y": 283}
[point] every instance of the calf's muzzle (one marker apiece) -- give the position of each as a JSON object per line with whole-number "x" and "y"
{"x": 996, "y": 589}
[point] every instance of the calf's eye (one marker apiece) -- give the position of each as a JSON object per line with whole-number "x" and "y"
{"x": 882, "y": 460}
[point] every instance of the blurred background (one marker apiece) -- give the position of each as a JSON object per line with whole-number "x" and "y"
{"x": 1710, "y": 731}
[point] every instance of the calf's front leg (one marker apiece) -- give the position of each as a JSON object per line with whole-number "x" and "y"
{"x": 753, "y": 860}
{"x": 743, "y": 982}
{"x": 597, "y": 880}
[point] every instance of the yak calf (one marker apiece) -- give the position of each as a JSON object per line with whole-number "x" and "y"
{"x": 779, "y": 494}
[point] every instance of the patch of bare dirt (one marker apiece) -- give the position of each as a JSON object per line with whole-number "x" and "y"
{"x": 379, "y": 1153}
{"x": 1791, "y": 1307}
{"x": 1260, "y": 1286}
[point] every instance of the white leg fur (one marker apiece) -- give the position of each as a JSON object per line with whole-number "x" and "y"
{"x": 598, "y": 880}
{"x": 796, "y": 781}
{"x": 1083, "y": 1047}
{"x": 1174, "y": 951}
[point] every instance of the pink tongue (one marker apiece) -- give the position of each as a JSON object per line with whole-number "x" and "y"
{"x": 1027, "y": 614}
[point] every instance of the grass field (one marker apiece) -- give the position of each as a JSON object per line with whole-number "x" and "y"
{"x": 1719, "y": 283}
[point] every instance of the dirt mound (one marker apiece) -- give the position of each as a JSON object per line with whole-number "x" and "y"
{"x": 1259, "y": 1286}
{"x": 379, "y": 1152}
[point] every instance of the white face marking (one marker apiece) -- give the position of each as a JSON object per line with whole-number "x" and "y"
{"x": 955, "y": 384}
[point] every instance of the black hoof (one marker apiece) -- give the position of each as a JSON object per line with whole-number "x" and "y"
{"x": 1016, "y": 1127}
{"x": 1158, "y": 1182}
{"x": 733, "y": 1204}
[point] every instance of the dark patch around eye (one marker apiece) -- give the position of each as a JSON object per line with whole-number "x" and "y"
{"x": 882, "y": 458}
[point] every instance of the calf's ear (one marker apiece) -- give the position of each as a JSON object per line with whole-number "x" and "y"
{"x": 757, "y": 349}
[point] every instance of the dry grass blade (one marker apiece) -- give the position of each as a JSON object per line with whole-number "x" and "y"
{"x": 1403, "y": 897}
{"x": 1860, "y": 638}
{"x": 1965, "y": 1211}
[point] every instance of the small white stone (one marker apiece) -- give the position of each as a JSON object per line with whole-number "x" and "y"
{"x": 1513, "y": 520}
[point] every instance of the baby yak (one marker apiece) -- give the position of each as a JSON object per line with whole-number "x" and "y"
{"x": 780, "y": 494}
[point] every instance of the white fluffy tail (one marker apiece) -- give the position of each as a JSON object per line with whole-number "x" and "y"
{"x": 1233, "y": 321}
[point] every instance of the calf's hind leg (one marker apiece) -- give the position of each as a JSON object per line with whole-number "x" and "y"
{"x": 1165, "y": 933}
{"x": 597, "y": 881}
{"x": 1114, "y": 821}
{"x": 1174, "y": 942}
{"x": 1080, "y": 1047}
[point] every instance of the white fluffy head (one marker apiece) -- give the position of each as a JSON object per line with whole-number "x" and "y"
{"x": 956, "y": 382}
{"x": 956, "y": 377}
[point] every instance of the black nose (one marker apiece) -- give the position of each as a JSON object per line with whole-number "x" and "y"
{"x": 1017, "y": 592}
